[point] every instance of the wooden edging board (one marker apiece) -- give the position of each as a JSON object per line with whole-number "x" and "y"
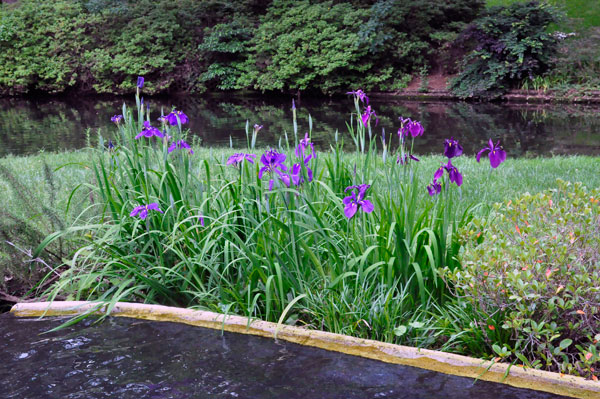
{"x": 442, "y": 362}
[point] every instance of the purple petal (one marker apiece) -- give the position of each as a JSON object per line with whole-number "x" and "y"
{"x": 154, "y": 206}
{"x": 497, "y": 156}
{"x": 431, "y": 190}
{"x": 480, "y": 153}
{"x": 261, "y": 171}
{"x": 365, "y": 118}
{"x": 143, "y": 213}
{"x": 136, "y": 210}
{"x": 285, "y": 179}
{"x": 362, "y": 189}
{"x": 296, "y": 173}
{"x": 350, "y": 209}
{"x": 367, "y": 206}
{"x": 438, "y": 174}
{"x": 235, "y": 158}
{"x": 279, "y": 159}
{"x": 349, "y": 199}
{"x": 264, "y": 159}
{"x": 271, "y": 184}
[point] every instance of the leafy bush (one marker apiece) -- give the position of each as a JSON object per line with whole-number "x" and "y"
{"x": 332, "y": 45}
{"x": 533, "y": 275}
{"x": 103, "y": 45}
{"x": 226, "y": 46}
{"x": 578, "y": 58}
{"x": 509, "y": 44}
{"x": 306, "y": 45}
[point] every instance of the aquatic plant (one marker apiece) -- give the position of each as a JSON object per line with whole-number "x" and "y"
{"x": 280, "y": 239}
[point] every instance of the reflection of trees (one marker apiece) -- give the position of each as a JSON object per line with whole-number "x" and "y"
{"x": 27, "y": 126}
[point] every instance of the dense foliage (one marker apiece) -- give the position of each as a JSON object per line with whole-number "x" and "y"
{"x": 351, "y": 245}
{"x": 532, "y": 275}
{"x": 102, "y": 45}
{"x": 509, "y": 44}
{"x": 578, "y": 60}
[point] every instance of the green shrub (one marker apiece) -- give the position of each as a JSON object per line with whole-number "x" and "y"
{"x": 509, "y": 44}
{"x": 329, "y": 46}
{"x": 306, "y": 45}
{"x": 578, "y": 59}
{"x": 532, "y": 273}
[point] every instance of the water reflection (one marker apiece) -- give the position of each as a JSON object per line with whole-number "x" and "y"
{"x": 54, "y": 124}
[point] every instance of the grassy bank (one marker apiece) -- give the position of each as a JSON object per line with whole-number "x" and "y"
{"x": 37, "y": 190}
{"x": 367, "y": 243}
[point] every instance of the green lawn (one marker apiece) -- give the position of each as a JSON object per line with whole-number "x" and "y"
{"x": 585, "y": 12}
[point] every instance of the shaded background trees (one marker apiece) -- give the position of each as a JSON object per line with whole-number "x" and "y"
{"x": 326, "y": 46}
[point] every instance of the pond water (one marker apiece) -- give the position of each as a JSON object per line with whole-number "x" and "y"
{"x": 59, "y": 123}
{"x": 130, "y": 358}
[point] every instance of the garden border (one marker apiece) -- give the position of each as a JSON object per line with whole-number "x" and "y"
{"x": 442, "y": 362}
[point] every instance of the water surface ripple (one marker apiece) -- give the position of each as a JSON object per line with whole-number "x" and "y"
{"x": 129, "y": 358}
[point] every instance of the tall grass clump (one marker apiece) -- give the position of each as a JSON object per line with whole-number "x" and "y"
{"x": 349, "y": 243}
{"x": 31, "y": 209}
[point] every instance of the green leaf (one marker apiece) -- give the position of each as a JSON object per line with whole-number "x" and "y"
{"x": 400, "y": 330}
{"x": 565, "y": 343}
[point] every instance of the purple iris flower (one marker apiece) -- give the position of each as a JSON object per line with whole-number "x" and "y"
{"x": 362, "y": 189}
{"x": 149, "y": 131}
{"x": 367, "y": 115}
{"x": 142, "y": 210}
{"x": 497, "y": 154}
{"x": 362, "y": 96}
{"x": 453, "y": 173}
{"x": 434, "y": 188}
{"x": 303, "y": 145}
{"x": 180, "y": 145}
{"x": 240, "y": 157}
{"x": 452, "y": 148}
{"x": 111, "y": 146}
{"x": 162, "y": 119}
{"x": 201, "y": 220}
{"x": 296, "y": 173}
{"x": 117, "y": 119}
{"x": 410, "y": 127}
{"x": 293, "y": 104}
{"x": 273, "y": 162}
{"x": 257, "y": 127}
{"x": 140, "y": 82}
{"x": 172, "y": 118}
{"x": 405, "y": 158}
{"x": 354, "y": 201}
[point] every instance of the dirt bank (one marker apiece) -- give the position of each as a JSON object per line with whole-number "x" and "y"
{"x": 436, "y": 89}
